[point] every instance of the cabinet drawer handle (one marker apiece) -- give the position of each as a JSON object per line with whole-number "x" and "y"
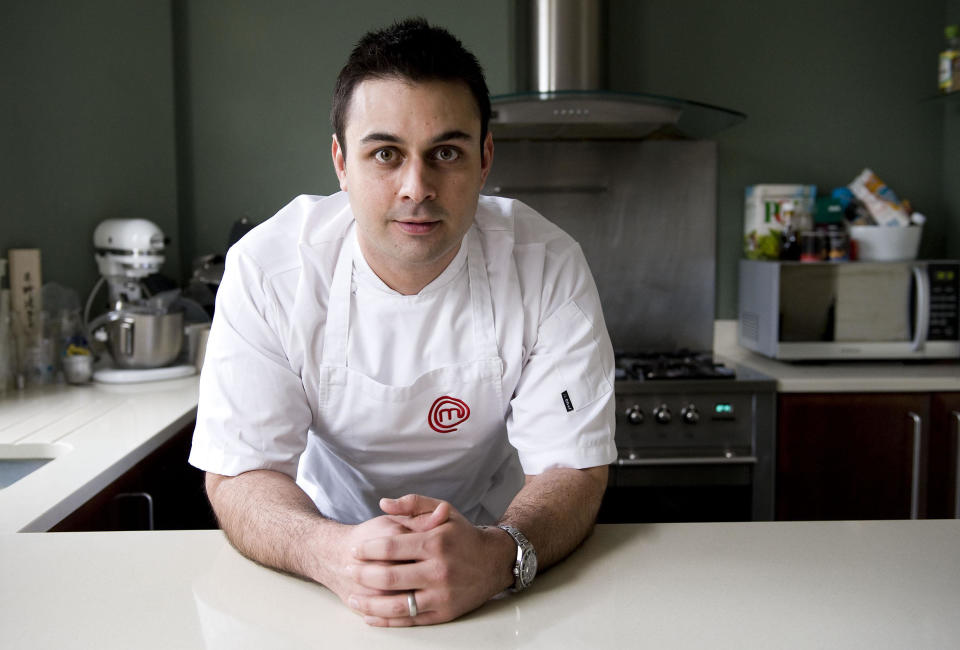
{"x": 688, "y": 460}
{"x": 147, "y": 500}
{"x": 956, "y": 475}
{"x": 915, "y": 481}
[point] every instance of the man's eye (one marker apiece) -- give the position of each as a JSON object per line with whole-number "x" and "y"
{"x": 385, "y": 155}
{"x": 446, "y": 154}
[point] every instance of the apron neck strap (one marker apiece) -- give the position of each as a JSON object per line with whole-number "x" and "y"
{"x": 338, "y": 306}
{"x": 481, "y": 302}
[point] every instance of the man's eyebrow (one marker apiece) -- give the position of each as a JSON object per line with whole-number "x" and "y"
{"x": 377, "y": 136}
{"x": 455, "y": 134}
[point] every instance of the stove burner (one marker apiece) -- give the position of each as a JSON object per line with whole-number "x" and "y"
{"x": 682, "y": 364}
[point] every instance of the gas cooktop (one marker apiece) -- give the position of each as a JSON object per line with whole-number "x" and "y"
{"x": 682, "y": 364}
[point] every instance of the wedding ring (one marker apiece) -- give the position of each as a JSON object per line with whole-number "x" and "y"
{"x": 412, "y": 604}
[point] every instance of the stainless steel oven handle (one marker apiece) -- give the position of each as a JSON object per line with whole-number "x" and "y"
{"x": 922, "y": 320}
{"x": 956, "y": 476}
{"x": 915, "y": 480}
{"x": 693, "y": 460}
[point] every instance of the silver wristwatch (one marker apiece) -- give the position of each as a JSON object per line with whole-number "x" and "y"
{"x": 525, "y": 567}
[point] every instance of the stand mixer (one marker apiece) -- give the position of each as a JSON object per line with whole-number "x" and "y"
{"x": 143, "y": 333}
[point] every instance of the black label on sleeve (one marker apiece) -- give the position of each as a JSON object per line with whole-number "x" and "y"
{"x": 566, "y": 401}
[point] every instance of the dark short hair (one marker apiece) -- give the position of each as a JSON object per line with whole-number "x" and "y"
{"x": 414, "y": 50}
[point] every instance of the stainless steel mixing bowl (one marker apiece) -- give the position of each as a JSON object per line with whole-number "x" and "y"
{"x": 141, "y": 337}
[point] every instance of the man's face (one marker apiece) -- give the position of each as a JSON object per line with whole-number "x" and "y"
{"x": 414, "y": 167}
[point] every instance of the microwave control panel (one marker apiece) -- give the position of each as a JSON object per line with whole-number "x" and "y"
{"x": 944, "y": 302}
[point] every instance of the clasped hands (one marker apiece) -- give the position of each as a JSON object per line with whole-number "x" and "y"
{"x": 425, "y": 547}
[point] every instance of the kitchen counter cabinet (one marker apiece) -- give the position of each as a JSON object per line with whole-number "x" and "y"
{"x": 844, "y": 439}
{"x": 852, "y": 456}
{"x": 846, "y": 457}
{"x": 746, "y": 585}
{"x": 161, "y": 492}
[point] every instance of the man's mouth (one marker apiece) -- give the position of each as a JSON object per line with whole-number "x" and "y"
{"x": 417, "y": 227}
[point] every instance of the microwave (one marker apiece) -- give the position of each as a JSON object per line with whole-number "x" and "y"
{"x": 797, "y": 311}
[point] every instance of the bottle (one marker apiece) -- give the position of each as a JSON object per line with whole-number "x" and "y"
{"x": 790, "y": 237}
{"x": 950, "y": 61}
{"x": 830, "y": 223}
{"x": 7, "y": 344}
{"x": 813, "y": 246}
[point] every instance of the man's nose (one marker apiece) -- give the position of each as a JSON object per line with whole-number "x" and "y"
{"x": 417, "y": 182}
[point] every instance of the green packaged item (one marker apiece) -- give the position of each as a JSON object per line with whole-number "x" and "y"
{"x": 828, "y": 210}
{"x": 769, "y": 211}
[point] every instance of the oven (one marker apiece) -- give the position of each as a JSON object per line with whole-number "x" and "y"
{"x": 695, "y": 441}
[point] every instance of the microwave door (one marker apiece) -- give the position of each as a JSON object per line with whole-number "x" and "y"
{"x": 873, "y": 304}
{"x": 851, "y": 311}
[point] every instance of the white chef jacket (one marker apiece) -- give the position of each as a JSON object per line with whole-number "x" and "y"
{"x": 258, "y": 390}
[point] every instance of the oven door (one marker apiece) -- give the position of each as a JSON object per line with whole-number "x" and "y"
{"x": 680, "y": 489}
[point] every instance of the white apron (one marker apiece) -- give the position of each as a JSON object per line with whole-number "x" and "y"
{"x": 442, "y": 436}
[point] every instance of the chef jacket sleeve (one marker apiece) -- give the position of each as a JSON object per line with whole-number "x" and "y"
{"x": 253, "y": 413}
{"x": 562, "y": 412}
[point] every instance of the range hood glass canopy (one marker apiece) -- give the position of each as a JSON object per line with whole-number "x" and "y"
{"x": 605, "y": 115}
{"x": 560, "y": 72}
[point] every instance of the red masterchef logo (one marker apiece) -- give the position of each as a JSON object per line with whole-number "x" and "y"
{"x": 446, "y": 413}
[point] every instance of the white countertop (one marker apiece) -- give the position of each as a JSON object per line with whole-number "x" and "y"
{"x": 838, "y": 377}
{"x": 107, "y": 429}
{"x": 878, "y": 584}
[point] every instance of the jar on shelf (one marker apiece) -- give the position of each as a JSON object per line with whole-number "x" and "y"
{"x": 949, "y": 77}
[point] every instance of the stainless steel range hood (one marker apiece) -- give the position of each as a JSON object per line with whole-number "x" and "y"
{"x": 567, "y": 99}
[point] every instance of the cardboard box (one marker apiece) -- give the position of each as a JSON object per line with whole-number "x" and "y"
{"x": 26, "y": 298}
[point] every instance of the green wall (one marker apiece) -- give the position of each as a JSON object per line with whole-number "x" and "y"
{"x": 951, "y": 153}
{"x": 86, "y": 128}
{"x": 197, "y": 113}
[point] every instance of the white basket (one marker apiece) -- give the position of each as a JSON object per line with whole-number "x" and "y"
{"x": 886, "y": 243}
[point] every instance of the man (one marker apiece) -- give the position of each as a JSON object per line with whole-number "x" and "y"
{"x": 387, "y": 363}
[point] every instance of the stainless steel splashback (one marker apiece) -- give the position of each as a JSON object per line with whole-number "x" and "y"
{"x": 644, "y": 213}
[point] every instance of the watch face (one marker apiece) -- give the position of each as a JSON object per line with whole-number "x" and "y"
{"x": 528, "y": 568}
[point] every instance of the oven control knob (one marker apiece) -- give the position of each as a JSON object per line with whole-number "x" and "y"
{"x": 634, "y": 414}
{"x": 662, "y": 414}
{"x": 690, "y": 414}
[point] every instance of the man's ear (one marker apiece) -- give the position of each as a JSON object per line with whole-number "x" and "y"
{"x": 339, "y": 162}
{"x": 486, "y": 160}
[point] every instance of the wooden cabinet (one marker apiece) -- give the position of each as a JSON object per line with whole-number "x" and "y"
{"x": 866, "y": 456}
{"x": 944, "y": 458}
{"x": 161, "y": 492}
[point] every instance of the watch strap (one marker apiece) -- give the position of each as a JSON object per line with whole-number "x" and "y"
{"x": 524, "y": 547}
